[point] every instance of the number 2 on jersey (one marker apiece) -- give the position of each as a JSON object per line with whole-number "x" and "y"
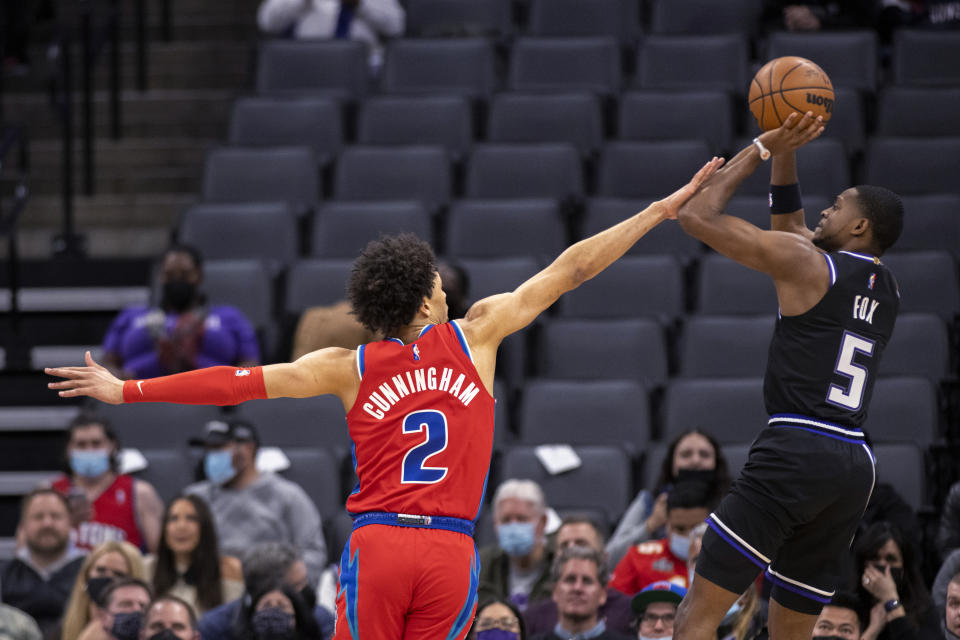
{"x": 852, "y": 397}
{"x": 413, "y": 470}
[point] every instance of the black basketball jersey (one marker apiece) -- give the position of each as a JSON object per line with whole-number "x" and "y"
{"x": 823, "y": 363}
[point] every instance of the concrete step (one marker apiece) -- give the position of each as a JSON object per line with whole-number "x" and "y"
{"x": 101, "y": 241}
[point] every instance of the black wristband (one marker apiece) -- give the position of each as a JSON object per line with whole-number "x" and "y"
{"x": 785, "y": 198}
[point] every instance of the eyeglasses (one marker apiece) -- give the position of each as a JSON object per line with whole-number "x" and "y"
{"x": 510, "y": 623}
{"x": 652, "y": 619}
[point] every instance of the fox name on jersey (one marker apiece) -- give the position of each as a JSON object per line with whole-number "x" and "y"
{"x": 389, "y": 393}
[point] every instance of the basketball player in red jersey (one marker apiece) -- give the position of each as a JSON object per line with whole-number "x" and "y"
{"x": 420, "y": 415}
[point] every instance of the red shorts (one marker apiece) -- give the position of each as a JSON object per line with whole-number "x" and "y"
{"x": 406, "y": 582}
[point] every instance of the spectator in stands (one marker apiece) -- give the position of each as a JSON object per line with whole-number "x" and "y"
{"x": 498, "y": 619}
{"x": 840, "y": 618}
{"x": 951, "y": 610}
{"x": 518, "y": 566}
{"x": 169, "y": 615}
{"x": 819, "y": 15}
{"x": 948, "y": 535}
{"x": 106, "y": 504}
{"x": 890, "y": 587}
{"x": 265, "y": 566}
{"x": 616, "y": 613}
{"x": 688, "y": 505}
{"x": 124, "y": 602}
{"x": 656, "y": 608}
{"x": 16, "y": 625}
{"x": 692, "y": 454}
{"x": 188, "y": 564}
{"x": 917, "y": 14}
{"x": 109, "y": 561}
{"x": 279, "y": 612}
{"x": 946, "y": 596}
{"x": 250, "y": 507}
{"x": 580, "y": 588}
{"x": 886, "y": 505}
{"x": 38, "y": 580}
{"x": 182, "y": 333}
{"x": 370, "y": 21}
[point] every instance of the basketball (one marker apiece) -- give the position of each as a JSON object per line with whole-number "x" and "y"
{"x": 789, "y": 84}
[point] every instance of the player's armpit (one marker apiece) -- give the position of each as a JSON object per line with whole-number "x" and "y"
{"x": 326, "y": 371}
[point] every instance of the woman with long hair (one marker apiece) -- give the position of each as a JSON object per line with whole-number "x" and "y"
{"x": 106, "y": 562}
{"x": 188, "y": 563}
{"x": 890, "y": 586}
{"x": 695, "y": 454}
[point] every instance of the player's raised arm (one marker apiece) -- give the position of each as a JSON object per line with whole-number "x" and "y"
{"x": 490, "y": 320}
{"x": 786, "y": 207}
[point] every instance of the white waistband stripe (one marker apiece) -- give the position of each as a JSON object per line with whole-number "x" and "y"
{"x": 733, "y": 535}
{"x": 797, "y": 583}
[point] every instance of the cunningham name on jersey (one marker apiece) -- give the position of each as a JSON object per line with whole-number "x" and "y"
{"x": 379, "y": 402}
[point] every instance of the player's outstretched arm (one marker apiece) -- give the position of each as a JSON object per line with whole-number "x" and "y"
{"x": 492, "y": 319}
{"x": 783, "y": 175}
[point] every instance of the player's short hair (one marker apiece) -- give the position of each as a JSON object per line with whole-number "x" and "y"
{"x": 389, "y": 281}
{"x": 577, "y": 552}
{"x": 521, "y": 490}
{"x": 848, "y": 600}
{"x": 884, "y": 209}
{"x": 174, "y": 599}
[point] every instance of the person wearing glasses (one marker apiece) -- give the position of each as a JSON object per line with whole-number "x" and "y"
{"x": 656, "y": 609}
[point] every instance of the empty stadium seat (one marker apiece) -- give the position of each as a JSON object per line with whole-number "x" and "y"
{"x": 736, "y": 455}
{"x": 460, "y": 18}
{"x": 422, "y": 174}
{"x": 703, "y": 16}
{"x": 848, "y": 57}
{"x": 417, "y": 120}
{"x": 903, "y": 409}
{"x": 926, "y": 57}
{"x": 572, "y": 118}
{"x": 931, "y": 222}
{"x": 343, "y": 229}
{"x": 927, "y": 281}
{"x": 333, "y": 68}
{"x": 603, "y": 349}
{"x": 266, "y": 232}
{"x": 277, "y": 174}
{"x": 914, "y": 166}
{"x": 270, "y": 122}
{"x": 902, "y": 466}
{"x": 579, "y": 18}
{"x": 298, "y": 422}
{"x": 667, "y": 238}
{"x": 524, "y": 171}
{"x": 823, "y": 167}
{"x": 731, "y": 409}
{"x": 632, "y": 287}
{"x": 490, "y": 277}
{"x": 317, "y": 472}
{"x": 158, "y": 425}
{"x": 725, "y": 287}
{"x": 170, "y": 469}
{"x": 444, "y": 66}
{"x": 920, "y": 346}
{"x": 663, "y": 115}
{"x": 648, "y": 169}
{"x": 565, "y": 64}
{"x": 725, "y": 346}
{"x": 247, "y": 285}
{"x": 693, "y": 62}
{"x": 919, "y": 111}
{"x": 503, "y": 228}
{"x": 316, "y": 282}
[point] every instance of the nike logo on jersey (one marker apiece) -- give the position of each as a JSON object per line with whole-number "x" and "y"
{"x": 864, "y": 308}
{"x": 140, "y": 386}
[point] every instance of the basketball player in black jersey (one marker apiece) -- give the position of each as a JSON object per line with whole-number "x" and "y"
{"x": 793, "y": 511}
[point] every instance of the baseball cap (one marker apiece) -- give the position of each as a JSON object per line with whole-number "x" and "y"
{"x": 217, "y": 433}
{"x": 660, "y": 591}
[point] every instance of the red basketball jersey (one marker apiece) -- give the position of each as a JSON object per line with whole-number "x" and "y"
{"x": 114, "y": 515}
{"x": 422, "y": 427}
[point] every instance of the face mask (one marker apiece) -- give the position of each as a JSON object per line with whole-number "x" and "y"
{"x": 95, "y": 587}
{"x": 218, "y": 465}
{"x": 680, "y": 545}
{"x": 90, "y": 464}
{"x": 696, "y": 475}
{"x": 897, "y": 574}
{"x": 178, "y": 295}
{"x": 166, "y": 634}
{"x": 497, "y": 634}
{"x": 309, "y": 597}
{"x": 272, "y": 623}
{"x": 126, "y": 626}
{"x": 516, "y": 538}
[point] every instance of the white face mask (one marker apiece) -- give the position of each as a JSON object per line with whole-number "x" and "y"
{"x": 662, "y": 638}
{"x": 680, "y": 545}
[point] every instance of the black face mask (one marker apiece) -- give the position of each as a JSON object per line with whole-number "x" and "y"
{"x": 178, "y": 295}
{"x": 168, "y": 634}
{"x": 897, "y": 574}
{"x": 126, "y": 626}
{"x": 95, "y": 587}
{"x": 309, "y": 597}
{"x": 706, "y": 476}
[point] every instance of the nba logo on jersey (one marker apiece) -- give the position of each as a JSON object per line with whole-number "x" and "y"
{"x": 416, "y": 352}
{"x": 873, "y": 280}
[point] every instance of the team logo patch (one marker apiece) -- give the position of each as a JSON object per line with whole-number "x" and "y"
{"x": 663, "y": 565}
{"x": 242, "y": 372}
{"x": 416, "y": 352}
{"x": 872, "y": 281}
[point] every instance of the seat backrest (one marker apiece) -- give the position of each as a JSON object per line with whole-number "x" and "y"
{"x": 902, "y": 466}
{"x": 421, "y": 174}
{"x": 566, "y": 64}
{"x": 158, "y": 425}
{"x": 823, "y": 166}
{"x": 731, "y": 409}
{"x": 931, "y": 222}
{"x": 914, "y": 166}
{"x": 458, "y": 66}
{"x": 703, "y": 16}
{"x": 343, "y": 229}
{"x": 292, "y": 422}
{"x": 493, "y": 276}
{"x": 503, "y": 228}
{"x": 927, "y": 282}
{"x": 580, "y": 18}
{"x": 271, "y": 122}
{"x": 315, "y": 470}
{"x": 662, "y": 115}
{"x": 919, "y": 111}
{"x": 903, "y": 409}
{"x": 736, "y": 455}
{"x": 335, "y": 68}
{"x": 524, "y": 171}
{"x": 316, "y": 282}
{"x": 276, "y": 174}
{"x": 920, "y": 346}
{"x": 632, "y": 287}
{"x": 664, "y": 163}
{"x": 572, "y": 118}
{"x": 848, "y": 57}
{"x": 444, "y": 121}
{"x": 670, "y": 239}
{"x": 245, "y": 284}
{"x": 926, "y": 57}
{"x": 725, "y": 287}
{"x": 693, "y": 62}
{"x": 168, "y": 470}
{"x": 725, "y": 346}
{"x": 266, "y": 231}
{"x": 459, "y": 18}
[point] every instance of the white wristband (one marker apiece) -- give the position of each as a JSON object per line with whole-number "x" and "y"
{"x": 764, "y": 152}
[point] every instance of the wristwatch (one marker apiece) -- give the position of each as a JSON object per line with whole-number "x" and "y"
{"x": 890, "y": 605}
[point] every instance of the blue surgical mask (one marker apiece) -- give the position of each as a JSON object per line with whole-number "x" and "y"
{"x": 218, "y": 465}
{"x": 663, "y": 638}
{"x": 680, "y": 545}
{"x": 517, "y": 538}
{"x": 90, "y": 464}
{"x": 497, "y": 634}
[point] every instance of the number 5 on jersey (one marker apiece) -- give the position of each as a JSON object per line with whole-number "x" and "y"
{"x": 413, "y": 470}
{"x": 852, "y": 397}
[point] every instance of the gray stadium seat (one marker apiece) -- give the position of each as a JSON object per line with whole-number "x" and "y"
{"x": 317, "y": 473}
{"x": 417, "y": 120}
{"x": 931, "y": 222}
{"x": 693, "y": 62}
{"x": 459, "y": 18}
{"x": 158, "y": 425}
{"x": 914, "y": 166}
{"x": 579, "y": 18}
{"x": 330, "y": 68}
{"x": 490, "y": 277}
{"x": 664, "y": 115}
{"x": 648, "y": 169}
{"x": 703, "y": 16}
{"x": 731, "y": 409}
{"x": 503, "y": 228}
{"x": 725, "y": 287}
{"x": 919, "y": 111}
{"x": 725, "y": 346}
{"x": 245, "y": 284}
{"x": 316, "y": 282}
{"x": 169, "y": 470}
{"x": 603, "y": 213}
{"x": 848, "y": 57}
{"x": 928, "y": 282}
{"x": 925, "y": 57}
{"x": 902, "y": 465}
{"x": 277, "y": 174}
{"x": 603, "y": 349}
{"x": 503, "y": 430}
{"x": 823, "y": 167}
{"x": 299, "y": 422}
{"x": 920, "y": 346}
{"x": 343, "y": 229}
{"x": 394, "y": 173}
{"x": 557, "y": 65}
{"x": 632, "y": 287}
{"x": 524, "y": 171}
{"x": 903, "y": 409}
{"x": 455, "y": 67}
{"x": 572, "y": 118}
{"x": 736, "y": 455}
{"x": 272, "y": 122}
{"x": 606, "y": 467}
{"x": 266, "y": 232}
{"x": 580, "y": 412}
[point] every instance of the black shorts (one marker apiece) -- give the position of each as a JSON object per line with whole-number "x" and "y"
{"x": 792, "y": 512}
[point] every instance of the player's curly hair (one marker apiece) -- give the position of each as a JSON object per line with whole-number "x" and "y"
{"x": 389, "y": 281}
{"x": 884, "y": 209}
